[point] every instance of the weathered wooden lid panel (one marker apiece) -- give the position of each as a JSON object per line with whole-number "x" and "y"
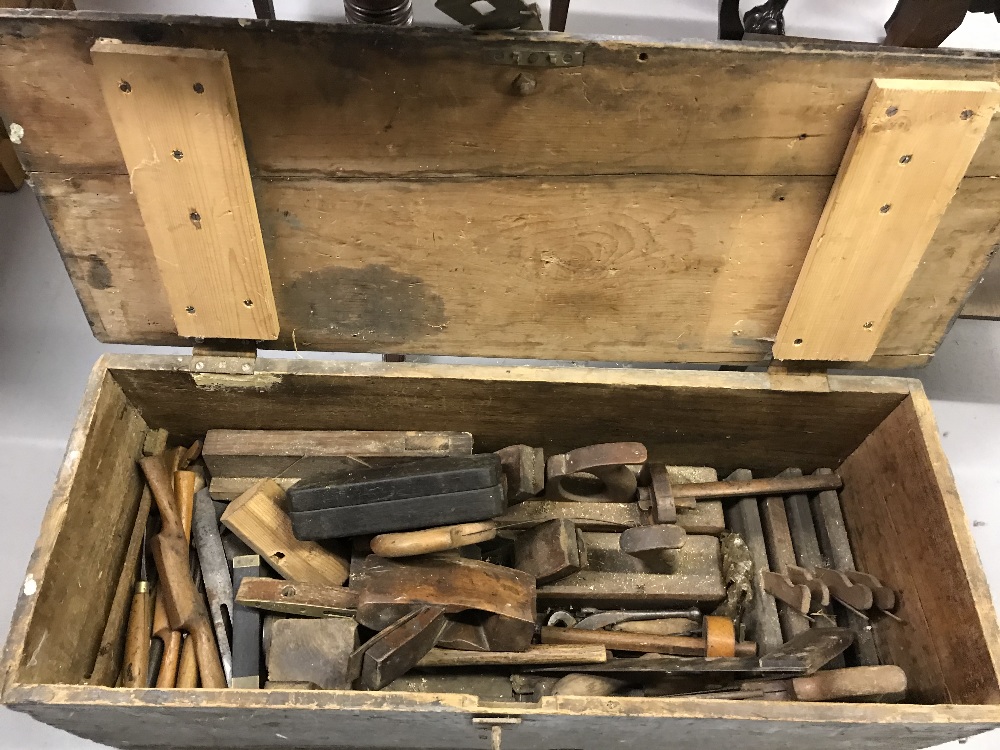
{"x": 655, "y": 204}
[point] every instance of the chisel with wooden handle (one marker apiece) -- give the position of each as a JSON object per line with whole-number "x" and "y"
{"x": 136, "y": 662}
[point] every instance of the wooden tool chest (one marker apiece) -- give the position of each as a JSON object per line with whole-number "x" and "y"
{"x": 642, "y": 202}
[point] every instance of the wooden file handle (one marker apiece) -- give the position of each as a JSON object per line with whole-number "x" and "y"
{"x": 167, "y": 677}
{"x": 209, "y": 662}
{"x": 187, "y": 670}
{"x": 886, "y": 683}
{"x": 136, "y": 664}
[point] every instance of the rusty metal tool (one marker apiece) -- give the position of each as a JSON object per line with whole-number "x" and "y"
{"x": 596, "y": 620}
{"x": 215, "y": 575}
{"x": 656, "y": 546}
{"x": 185, "y": 608}
{"x": 836, "y": 548}
{"x": 596, "y": 473}
{"x": 761, "y": 615}
{"x": 766, "y": 487}
{"x": 857, "y": 596}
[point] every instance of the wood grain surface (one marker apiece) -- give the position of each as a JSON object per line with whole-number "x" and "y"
{"x": 176, "y": 120}
{"x": 688, "y": 215}
{"x": 906, "y": 159}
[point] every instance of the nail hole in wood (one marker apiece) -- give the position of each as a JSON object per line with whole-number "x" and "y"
{"x": 892, "y": 111}
{"x": 288, "y": 591}
{"x": 803, "y": 136}
{"x": 195, "y": 219}
{"x": 906, "y": 158}
{"x": 177, "y": 154}
{"x": 125, "y": 87}
{"x": 248, "y": 302}
{"x": 869, "y": 325}
{"x": 885, "y": 208}
{"x": 642, "y": 56}
{"x": 797, "y": 342}
{"x": 967, "y": 114}
{"x": 279, "y": 555}
{"x": 198, "y": 88}
{"x": 189, "y": 310}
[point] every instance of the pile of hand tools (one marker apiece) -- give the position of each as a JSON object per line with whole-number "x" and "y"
{"x": 404, "y": 561}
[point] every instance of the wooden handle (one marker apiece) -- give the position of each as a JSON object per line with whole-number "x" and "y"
{"x": 161, "y": 484}
{"x": 888, "y": 682}
{"x": 184, "y": 482}
{"x": 209, "y": 662}
{"x": 426, "y": 541}
{"x": 616, "y": 640}
{"x": 171, "y": 659}
{"x": 187, "y": 670}
{"x": 136, "y": 664}
{"x": 720, "y": 636}
{"x": 763, "y": 487}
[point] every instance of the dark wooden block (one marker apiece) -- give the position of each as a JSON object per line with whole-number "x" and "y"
{"x": 550, "y": 551}
{"x": 312, "y": 650}
{"x": 381, "y": 484}
{"x": 400, "y": 515}
{"x": 396, "y": 650}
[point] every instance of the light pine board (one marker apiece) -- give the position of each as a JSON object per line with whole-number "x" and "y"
{"x": 175, "y": 117}
{"x": 905, "y": 160}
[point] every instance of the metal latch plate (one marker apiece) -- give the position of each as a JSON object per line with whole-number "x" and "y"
{"x": 536, "y": 58}
{"x": 209, "y": 359}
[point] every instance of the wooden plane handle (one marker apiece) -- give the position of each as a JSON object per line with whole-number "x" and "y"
{"x": 426, "y": 541}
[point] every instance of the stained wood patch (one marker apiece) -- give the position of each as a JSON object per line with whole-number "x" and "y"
{"x": 175, "y": 117}
{"x": 910, "y": 151}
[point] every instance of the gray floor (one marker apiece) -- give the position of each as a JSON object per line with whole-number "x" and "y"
{"x": 46, "y": 349}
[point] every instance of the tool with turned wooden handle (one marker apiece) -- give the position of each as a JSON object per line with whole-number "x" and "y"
{"x": 718, "y": 641}
{"x": 185, "y": 609}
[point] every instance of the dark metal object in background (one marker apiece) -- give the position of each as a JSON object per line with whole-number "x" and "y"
{"x": 264, "y": 9}
{"x": 385, "y": 12}
{"x": 558, "y": 13}
{"x": 506, "y": 14}
{"x": 767, "y": 18}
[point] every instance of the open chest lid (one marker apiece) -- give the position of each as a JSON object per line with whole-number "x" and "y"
{"x": 528, "y": 195}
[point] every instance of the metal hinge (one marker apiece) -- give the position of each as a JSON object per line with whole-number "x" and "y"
{"x": 224, "y": 358}
{"x": 535, "y": 58}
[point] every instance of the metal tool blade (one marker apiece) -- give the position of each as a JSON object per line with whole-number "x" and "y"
{"x": 215, "y": 574}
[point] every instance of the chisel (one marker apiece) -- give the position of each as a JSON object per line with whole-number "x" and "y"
{"x": 136, "y": 663}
